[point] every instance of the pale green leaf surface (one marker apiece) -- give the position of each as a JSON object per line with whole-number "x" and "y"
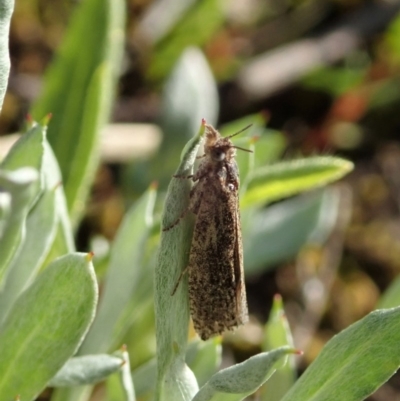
{"x": 277, "y": 233}
{"x": 278, "y": 181}
{"x": 79, "y": 88}
{"x": 83, "y": 164}
{"x": 5, "y": 207}
{"x": 391, "y": 297}
{"x": 125, "y": 376}
{"x": 46, "y": 325}
{"x": 277, "y": 331}
{"x": 189, "y": 95}
{"x": 21, "y": 185}
{"x": 355, "y": 362}
{"x": 276, "y": 334}
{"x": 6, "y": 7}
{"x": 28, "y": 151}
{"x": 238, "y": 381}
{"x": 172, "y": 312}
{"x": 41, "y": 226}
{"x": 144, "y": 378}
{"x": 64, "y": 239}
{"x": 123, "y": 275}
{"x": 88, "y": 369}
{"x": 193, "y": 29}
{"x": 123, "y": 280}
{"x": 160, "y": 17}
{"x": 204, "y": 358}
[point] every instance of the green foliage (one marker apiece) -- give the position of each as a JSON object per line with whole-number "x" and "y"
{"x": 49, "y": 292}
{"x": 277, "y": 334}
{"x": 45, "y": 316}
{"x": 78, "y": 91}
{"x": 86, "y": 370}
{"x": 335, "y": 81}
{"x": 194, "y": 29}
{"x": 355, "y": 362}
{"x": 45, "y": 325}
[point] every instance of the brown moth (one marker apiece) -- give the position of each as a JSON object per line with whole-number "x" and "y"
{"x": 217, "y": 292}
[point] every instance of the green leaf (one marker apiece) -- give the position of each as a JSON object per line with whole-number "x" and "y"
{"x": 123, "y": 279}
{"x": 392, "y": 44}
{"x": 46, "y": 325}
{"x": 6, "y": 7}
{"x": 204, "y": 358}
{"x": 79, "y": 89}
{"x": 284, "y": 179}
{"x": 195, "y": 28}
{"x": 174, "y": 379}
{"x": 64, "y": 239}
{"x": 239, "y": 381}
{"x": 5, "y": 206}
{"x": 41, "y": 226}
{"x": 125, "y": 376}
{"x": 276, "y": 334}
{"x": 391, "y": 297}
{"x": 144, "y": 379}
{"x": 189, "y": 95}
{"x": 355, "y": 362}
{"x": 28, "y": 151}
{"x": 21, "y": 185}
{"x": 335, "y": 80}
{"x": 277, "y": 233}
{"x": 88, "y": 369}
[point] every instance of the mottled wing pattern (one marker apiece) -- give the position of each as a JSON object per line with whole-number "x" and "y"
{"x": 216, "y": 284}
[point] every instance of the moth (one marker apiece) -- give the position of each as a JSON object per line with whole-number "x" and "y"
{"x": 217, "y": 293}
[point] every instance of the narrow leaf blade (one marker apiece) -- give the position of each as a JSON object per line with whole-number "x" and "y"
{"x": 88, "y": 369}
{"x": 275, "y": 182}
{"x": 355, "y": 362}
{"x": 238, "y": 381}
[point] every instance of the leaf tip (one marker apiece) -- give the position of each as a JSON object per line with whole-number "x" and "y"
{"x": 29, "y": 121}
{"x": 154, "y": 185}
{"x": 47, "y": 118}
{"x": 89, "y": 256}
{"x": 254, "y": 139}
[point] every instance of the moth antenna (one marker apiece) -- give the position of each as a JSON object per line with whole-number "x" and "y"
{"x": 239, "y": 132}
{"x": 246, "y": 150}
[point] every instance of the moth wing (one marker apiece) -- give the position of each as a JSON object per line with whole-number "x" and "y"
{"x": 216, "y": 284}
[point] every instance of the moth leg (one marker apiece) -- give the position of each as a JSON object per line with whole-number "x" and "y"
{"x": 183, "y": 176}
{"x": 200, "y": 157}
{"x": 178, "y": 281}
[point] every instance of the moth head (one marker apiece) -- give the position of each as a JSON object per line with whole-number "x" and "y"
{"x": 219, "y": 148}
{"x": 222, "y": 150}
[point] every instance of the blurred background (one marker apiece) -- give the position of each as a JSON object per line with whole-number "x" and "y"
{"x": 320, "y": 76}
